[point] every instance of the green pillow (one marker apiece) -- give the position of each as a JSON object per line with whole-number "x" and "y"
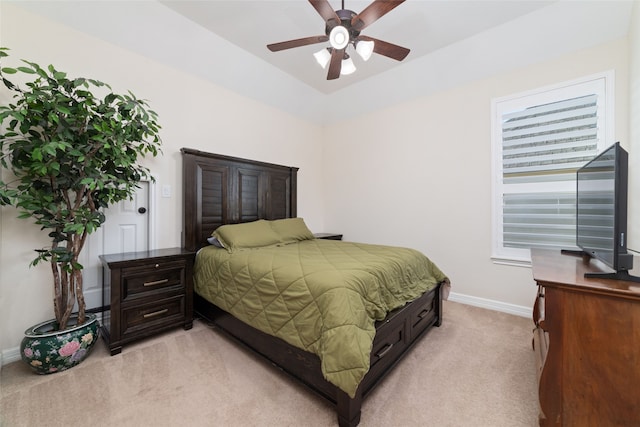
{"x": 246, "y": 235}
{"x": 291, "y": 230}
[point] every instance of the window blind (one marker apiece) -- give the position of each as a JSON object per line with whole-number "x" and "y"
{"x": 554, "y": 138}
{"x": 545, "y": 219}
{"x": 541, "y": 146}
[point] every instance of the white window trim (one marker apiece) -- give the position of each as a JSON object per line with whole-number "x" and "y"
{"x": 565, "y": 90}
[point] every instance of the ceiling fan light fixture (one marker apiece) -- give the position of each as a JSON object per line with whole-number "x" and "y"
{"x": 365, "y": 49}
{"x": 347, "y": 66}
{"x": 339, "y": 37}
{"x": 323, "y": 57}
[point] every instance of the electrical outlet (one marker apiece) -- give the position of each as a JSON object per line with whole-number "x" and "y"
{"x": 166, "y": 191}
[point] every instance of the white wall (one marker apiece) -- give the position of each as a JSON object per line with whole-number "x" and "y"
{"x": 193, "y": 113}
{"x": 419, "y": 174}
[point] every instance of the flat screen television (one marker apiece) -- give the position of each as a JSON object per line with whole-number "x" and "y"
{"x": 601, "y": 212}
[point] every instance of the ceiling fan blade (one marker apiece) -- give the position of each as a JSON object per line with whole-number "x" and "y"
{"x": 373, "y": 12}
{"x": 326, "y": 11}
{"x": 387, "y": 49}
{"x": 336, "y": 64}
{"x": 275, "y": 47}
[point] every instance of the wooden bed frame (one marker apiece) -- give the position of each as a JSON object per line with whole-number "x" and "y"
{"x": 220, "y": 190}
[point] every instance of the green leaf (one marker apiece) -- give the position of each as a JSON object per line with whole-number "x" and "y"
{"x": 40, "y": 71}
{"x": 27, "y": 70}
{"x": 63, "y": 109}
{"x": 8, "y": 70}
{"x": 36, "y": 154}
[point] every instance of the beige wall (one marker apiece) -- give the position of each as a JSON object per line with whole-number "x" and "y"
{"x": 193, "y": 113}
{"x": 419, "y": 174}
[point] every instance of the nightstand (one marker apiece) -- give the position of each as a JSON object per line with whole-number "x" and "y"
{"x": 328, "y": 236}
{"x": 144, "y": 293}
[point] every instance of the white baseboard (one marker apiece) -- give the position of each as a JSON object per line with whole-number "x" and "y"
{"x": 517, "y": 310}
{"x": 10, "y": 355}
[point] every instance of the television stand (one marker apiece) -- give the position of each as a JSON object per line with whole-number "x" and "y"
{"x": 615, "y": 275}
{"x": 618, "y": 275}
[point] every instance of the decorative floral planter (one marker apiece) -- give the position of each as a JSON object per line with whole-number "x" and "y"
{"x": 47, "y": 350}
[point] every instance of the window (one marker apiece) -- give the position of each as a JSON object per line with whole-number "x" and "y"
{"x": 539, "y": 140}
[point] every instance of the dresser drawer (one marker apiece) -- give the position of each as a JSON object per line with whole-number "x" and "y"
{"x": 153, "y": 314}
{"x": 140, "y": 281}
{"x": 423, "y": 314}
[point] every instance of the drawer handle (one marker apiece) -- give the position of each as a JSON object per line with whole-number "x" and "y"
{"x": 155, "y": 313}
{"x": 155, "y": 283}
{"x": 384, "y": 351}
{"x": 424, "y": 313}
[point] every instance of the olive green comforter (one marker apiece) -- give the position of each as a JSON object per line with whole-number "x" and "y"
{"x": 322, "y": 296}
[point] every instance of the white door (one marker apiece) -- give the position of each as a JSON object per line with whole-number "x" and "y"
{"x": 126, "y": 229}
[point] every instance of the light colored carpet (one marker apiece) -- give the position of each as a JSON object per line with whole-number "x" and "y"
{"x": 476, "y": 370}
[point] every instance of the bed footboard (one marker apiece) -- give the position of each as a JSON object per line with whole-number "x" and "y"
{"x": 395, "y": 335}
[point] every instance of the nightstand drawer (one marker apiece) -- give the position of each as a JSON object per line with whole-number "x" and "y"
{"x": 153, "y": 314}
{"x": 138, "y": 281}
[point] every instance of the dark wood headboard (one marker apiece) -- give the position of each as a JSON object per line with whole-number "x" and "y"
{"x": 220, "y": 190}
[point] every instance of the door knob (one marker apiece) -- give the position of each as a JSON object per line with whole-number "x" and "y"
{"x": 142, "y": 210}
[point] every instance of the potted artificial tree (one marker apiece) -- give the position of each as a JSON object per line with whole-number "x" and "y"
{"x": 71, "y": 148}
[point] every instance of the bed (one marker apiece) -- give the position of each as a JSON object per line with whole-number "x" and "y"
{"x": 220, "y": 191}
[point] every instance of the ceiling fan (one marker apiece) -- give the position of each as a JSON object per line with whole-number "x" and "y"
{"x": 342, "y": 28}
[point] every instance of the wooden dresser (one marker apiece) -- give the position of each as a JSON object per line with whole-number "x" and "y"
{"x": 587, "y": 343}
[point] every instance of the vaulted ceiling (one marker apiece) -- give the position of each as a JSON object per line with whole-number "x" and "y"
{"x": 451, "y": 42}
